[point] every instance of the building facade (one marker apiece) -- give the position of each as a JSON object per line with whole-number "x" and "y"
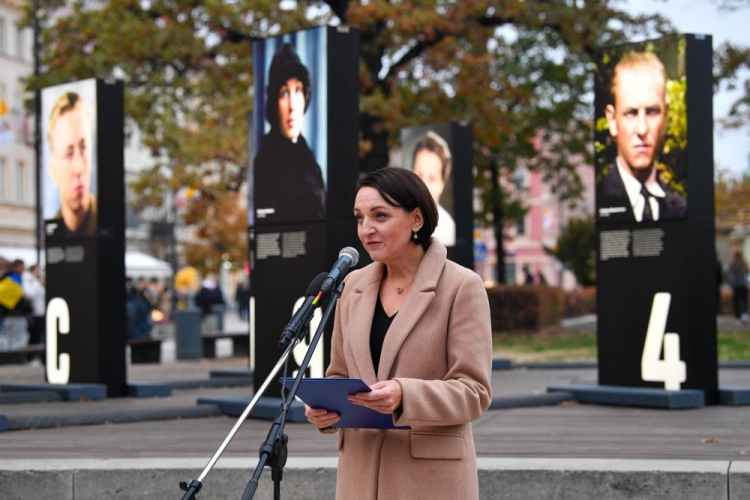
{"x": 17, "y": 160}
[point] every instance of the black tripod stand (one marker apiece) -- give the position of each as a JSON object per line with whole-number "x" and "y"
{"x": 273, "y": 452}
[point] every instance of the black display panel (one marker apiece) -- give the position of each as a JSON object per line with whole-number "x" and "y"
{"x": 654, "y": 213}
{"x": 304, "y": 154}
{"x": 84, "y": 210}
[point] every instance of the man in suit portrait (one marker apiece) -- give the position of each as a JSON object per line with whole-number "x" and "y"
{"x": 630, "y": 189}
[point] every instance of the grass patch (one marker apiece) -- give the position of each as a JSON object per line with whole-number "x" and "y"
{"x": 523, "y": 347}
{"x": 734, "y": 346}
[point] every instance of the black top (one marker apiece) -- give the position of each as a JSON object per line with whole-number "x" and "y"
{"x": 380, "y": 324}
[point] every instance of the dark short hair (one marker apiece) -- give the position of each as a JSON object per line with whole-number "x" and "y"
{"x": 403, "y": 188}
{"x": 285, "y": 64}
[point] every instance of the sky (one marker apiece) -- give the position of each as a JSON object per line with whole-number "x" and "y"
{"x": 731, "y": 147}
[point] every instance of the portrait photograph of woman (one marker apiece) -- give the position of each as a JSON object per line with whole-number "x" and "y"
{"x": 427, "y": 153}
{"x": 289, "y": 162}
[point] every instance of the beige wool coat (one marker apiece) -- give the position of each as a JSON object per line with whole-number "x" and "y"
{"x": 439, "y": 348}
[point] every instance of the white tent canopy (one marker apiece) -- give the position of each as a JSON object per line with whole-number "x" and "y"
{"x": 137, "y": 264}
{"x": 26, "y": 254}
{"x": 142, "y": 265}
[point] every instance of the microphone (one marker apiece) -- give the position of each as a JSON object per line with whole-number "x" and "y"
{"x": 303, "y": 315}
{"x": 348, "y": 257}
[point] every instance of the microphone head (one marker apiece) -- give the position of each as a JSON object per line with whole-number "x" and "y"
{"x": 315, "y": 285}
{"x": 352, "y": 253}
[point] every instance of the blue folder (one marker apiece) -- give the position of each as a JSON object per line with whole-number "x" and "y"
{"x": 331, "y": 393}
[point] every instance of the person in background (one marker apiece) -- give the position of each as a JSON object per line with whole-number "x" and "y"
{"x": 242, "y": 296}
{"x": 540, "y": 278}
{"x": 34, "y": 291}
{"x": 737, "y": 278}
{"x": 528, "y": 278}
{"x": 14, "y": 309}
{"x": 139, "y": 322}
{"x": 210, "y": 300}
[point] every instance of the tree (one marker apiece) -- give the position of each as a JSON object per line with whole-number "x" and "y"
{"x": 731, "y": 62}
{"x": 576, "y": 249}
{"x": 518, "y": 70}
{"x": 731, "y": 195}
{"x": 187, "y": 69}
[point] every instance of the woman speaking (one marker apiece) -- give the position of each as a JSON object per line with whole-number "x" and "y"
{"x": 416, "y": 328}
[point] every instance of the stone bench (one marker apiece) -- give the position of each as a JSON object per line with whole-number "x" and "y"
{"x": 144, "y": 351}
{"x": 240, "y": 343}
{"x": 22, "y": 356}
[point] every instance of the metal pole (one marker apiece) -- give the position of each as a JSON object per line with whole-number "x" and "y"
{"x": 37, "y": 137}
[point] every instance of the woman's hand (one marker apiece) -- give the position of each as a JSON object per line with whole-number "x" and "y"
{"x": 321, "y": 418}
{"x": 385, "y": 397}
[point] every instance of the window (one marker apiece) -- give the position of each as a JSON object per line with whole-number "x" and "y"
{"x": 19, "y": 42}
{"x": 20, "y": 181}
{"x": 519, "y": 178}
{"x": 521, "y": 227}
{"x": 18, "y": 111}
{"x": 2, "y": 178}
{"x": 18, "y": 103}
{"x": 2, "y": 35}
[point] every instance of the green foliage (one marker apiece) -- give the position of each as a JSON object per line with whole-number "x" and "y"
{"x": 731, "y": 193}
{"x": 576, "y": 249}
{"x": 560, "y": 345}
{"x": 518, "y": 70}
{"x": 187, "y": 69}
{"x": 522, "y": 347}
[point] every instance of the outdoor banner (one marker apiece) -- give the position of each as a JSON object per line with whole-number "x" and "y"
{"x": 304, "y": 165}
{"x": 656, "y": 283}
{"x": 441, "y": 154}
{"x": 84, "y": 212}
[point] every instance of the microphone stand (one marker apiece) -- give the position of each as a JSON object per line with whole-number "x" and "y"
{"x": 274, "y": 448}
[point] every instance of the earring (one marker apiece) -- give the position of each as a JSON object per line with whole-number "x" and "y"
{"x": 415, "y": 235}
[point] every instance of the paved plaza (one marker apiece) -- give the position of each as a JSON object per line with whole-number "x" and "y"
{"x": 539, "y": 445}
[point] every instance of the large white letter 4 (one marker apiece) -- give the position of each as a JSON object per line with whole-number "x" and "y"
{"x": 670, "y": 370}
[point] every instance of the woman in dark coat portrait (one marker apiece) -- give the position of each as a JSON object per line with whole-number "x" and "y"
{"x": 288, "y": 181}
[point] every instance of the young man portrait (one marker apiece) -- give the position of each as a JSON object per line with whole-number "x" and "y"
{"x": 637, "y": 115}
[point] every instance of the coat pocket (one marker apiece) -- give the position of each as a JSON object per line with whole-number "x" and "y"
{"x": 436, "y": 445}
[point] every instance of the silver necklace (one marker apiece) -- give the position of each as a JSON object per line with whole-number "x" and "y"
{"x": 398, "y": 290}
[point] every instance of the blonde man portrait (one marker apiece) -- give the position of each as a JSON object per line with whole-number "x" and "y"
{"x": 70, "y": 136}
{"x": 636, "y": 117}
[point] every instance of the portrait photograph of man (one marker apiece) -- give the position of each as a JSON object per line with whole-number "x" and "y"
{"x": 641, "y": 134}
{"x": 289, "y": 174}
{"x": 68, "y": 161}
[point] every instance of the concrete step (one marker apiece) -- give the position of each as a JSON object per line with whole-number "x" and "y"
{"x": 315, "y": 478}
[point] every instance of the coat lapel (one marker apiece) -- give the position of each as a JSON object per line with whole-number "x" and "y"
{"x": 417, "y": 301}
{"x": 363, "y": 300}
